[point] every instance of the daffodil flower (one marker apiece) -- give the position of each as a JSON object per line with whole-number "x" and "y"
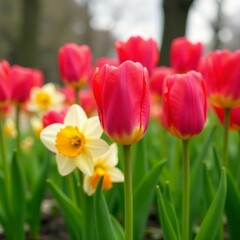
{"x": 45, "y": 98}
{"x": 104, "y": 167}
{"x": 76, "y": 142}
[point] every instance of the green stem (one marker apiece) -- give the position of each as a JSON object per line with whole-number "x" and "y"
{"x": 186, "y": 192}
{"x": 3, "y": 152}
{"x": 225, "y": 137}
{"x": 18, "y": 137}
{"x": 72, "y": 189}
{"x": 77, "y": 100}
{"x": 128, "y": 193}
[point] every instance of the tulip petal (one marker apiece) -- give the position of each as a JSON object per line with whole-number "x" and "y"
{"x": 75, "y": 116}
{"x": 48, "y": 136}
{"x": 85, "y": 163}
{"x": 65, "y": 165}
{"x": 96, "y": 146}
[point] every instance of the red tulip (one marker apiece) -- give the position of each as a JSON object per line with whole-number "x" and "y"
{"x": 122, "y": 97}
{"x": 106, "y": 60}
{"x": 5, "y": 83}
{"x": 53, "y": 117}
{"x": 87, "y": 101}
{"x": 140, "y": 50}
{"x": 185, "y": 55}
{"x": 234, "y": 120}
{"x": 75, "y": 64}
{"x": 184, "y": 104}
{"x": 156, "y": 81}
{"x": 221, "y": 70}
{"x": 23, "y": 80}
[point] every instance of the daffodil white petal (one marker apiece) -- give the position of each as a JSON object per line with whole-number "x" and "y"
{"x": 48, "y": 136}
{"x": 87, "y": 186}
{"x": 96, "y": 146}
{"x": 65, "y": 164}
{"x": 116, "y": 175}
{"x": 85, "y": 163}
{"x": 111, "y": 156}
{"x": 92, "y": 128}
{"x": 75, "y": 116}
{"x": 49, "y": 87}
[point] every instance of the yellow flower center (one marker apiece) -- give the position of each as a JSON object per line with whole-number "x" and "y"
{"x": 43, "y": 100}
{"x": 69, "y": 141}
{"x": 98, "y": 173}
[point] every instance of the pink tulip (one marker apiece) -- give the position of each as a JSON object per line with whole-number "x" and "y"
{"x": 123, "y": 102}
{"x": 75, "y": 64}
{"x": 185, "y": 55}
{"x": 156, "y": 81}
{"x": 53, "y": 117}
{"x": 106, "y": 60}
{"x": 140, "y": 50}
{"x": 87, "y": 101}
{"x": 221, "y": 70}
{"x": 5, "y": 83}
{"x": 23, "y": 80}
{"x": 184, "y": 104}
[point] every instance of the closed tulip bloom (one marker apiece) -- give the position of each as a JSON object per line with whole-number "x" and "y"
{"x": 75, "y": 64}
{"x": 185, "y": 55}
{"x": 140, "y": 50}
{"x": 23, "y": 80}
{"x": 122, "y": 97}
{"x": 184, "y": 104}
{"x": 5, "y": 83}
{"x": 53, "y": 116}
{"x": 221, "y": 70}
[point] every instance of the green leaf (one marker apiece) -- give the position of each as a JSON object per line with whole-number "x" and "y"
{"x": 17, "y": 201}
{"x": 36, "y": 198}
{"x": 196, "y": 173}
{"x": 232, "y": 207}
{"x": 117, "y": 228}
{"x": 142, "y": 199}
{"x": 139, "y": 161}
{"x": 214, "y": 215}
{"x": 71, "y": 213}
{"x": 104, "y": 225}
{"x": 166, "y": 224}
{"x": 169, "y": 204}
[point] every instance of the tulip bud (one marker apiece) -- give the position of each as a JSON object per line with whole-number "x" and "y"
{"x": 75, "y": 64}
{"x": 122, "y": 98}
{"x": 184, "y": 104}
{"x": 185, "y": 55}
{"x": 221, "y": 70}
{"x": 140, "y": 50}
{"x": 5, "y": 83}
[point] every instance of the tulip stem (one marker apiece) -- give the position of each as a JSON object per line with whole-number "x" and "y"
{"x": 18, "y": 137}
{"x": 77, "y": 100}
{"x": 225, "y": 137}
{"x": 186, "y": 192}
{"x": 3, "y": 152}
{"x": 128, "y": 192}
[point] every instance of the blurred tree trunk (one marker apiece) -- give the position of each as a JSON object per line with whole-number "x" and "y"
{"x": 175, "y": 19}
{"x": 26, "y": 53}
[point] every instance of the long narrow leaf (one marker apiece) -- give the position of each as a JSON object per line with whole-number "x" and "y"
{"x": 232, "y": 207}
{"x": 104, "y": 226}
{"x": 166, "y": 224}
{"x": 72, "y": 215}
{"x": 212, "y": 219}
{"x": 142, "y": 199}
{"x": 17, "y": 201}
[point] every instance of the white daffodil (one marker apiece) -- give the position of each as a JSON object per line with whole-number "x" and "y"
{"x": 75, "y": 142}
{"x": 104, "y": 167}
{"x": 45, "y": 98}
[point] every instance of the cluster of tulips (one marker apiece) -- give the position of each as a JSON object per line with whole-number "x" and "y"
{"x": 93, "y": 125}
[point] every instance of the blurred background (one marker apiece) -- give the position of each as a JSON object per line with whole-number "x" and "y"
{"x": 31, "y": 31}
